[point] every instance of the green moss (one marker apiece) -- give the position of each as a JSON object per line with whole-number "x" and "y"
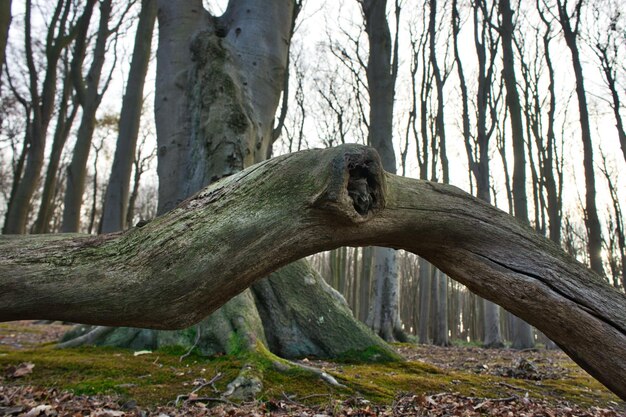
{"x": 158, "y": 378}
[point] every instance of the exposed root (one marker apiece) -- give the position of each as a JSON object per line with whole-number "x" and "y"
{"x": 195, "y": 344}
{"x": 88, "y": 338}
{"x": 247, "y": 384}
{"x": 319, "y": 372}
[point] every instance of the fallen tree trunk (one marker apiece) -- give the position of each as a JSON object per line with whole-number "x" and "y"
{"x": 183, "y": 265}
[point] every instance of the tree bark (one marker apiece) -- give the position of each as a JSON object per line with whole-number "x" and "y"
{"x": 196, "y": 257}
{"x": 116, "y": 198}
{"x": 425, "y": 277}
{"x": 441, "y": 325}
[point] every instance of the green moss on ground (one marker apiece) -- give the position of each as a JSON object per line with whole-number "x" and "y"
{"x": 159, "y": 377}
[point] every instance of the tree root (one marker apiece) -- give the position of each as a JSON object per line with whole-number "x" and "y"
{"x": 88, "y": 338}
{"x": 319, "y": 372}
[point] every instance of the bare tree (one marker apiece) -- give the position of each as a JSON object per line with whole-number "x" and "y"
{"x": 89, "y": 92}
{"x": 141, "y": 163}
{"x": 42, "y": 103}
{"x": 477, "y": 144}
{"x": 551, "y": 166}
{"x": 608, "y": 45}
{"x": 616, "y": 231}
{"x": 65, "y": 118}
{"x": 417, "y": 128}
{"x": 440, "y": 280}
{"x": 95, "y": 204}
{"x": 115, "y": 210}
{"x": 522, "y": 336}
{"x": 570, "y": 19}
{"x": 382, "y": 71}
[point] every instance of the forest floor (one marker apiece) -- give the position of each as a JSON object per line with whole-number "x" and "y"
{"x": 38, "y": 380}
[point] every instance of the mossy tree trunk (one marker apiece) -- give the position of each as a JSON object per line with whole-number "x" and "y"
{"x": 237, "y": 231}
{"x": 219, "y": 81}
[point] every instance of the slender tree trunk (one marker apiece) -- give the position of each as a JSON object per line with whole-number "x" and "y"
{"x": 441, "y": 331}
{"x": 365, "y": 283}
{"x": 381, "y": 77}
{"x": 89, "y": 96}
{"x": 520, "y": 202}
{"x": 620, "y": 234}
{"x": 140, "y": 164}
{"x": 441, "y": 323}
{"x": 425, "y": 278}
{"x": 94, "y": 191}
{"x": 592, "y": 222}
{"x": 114, "y": 211}
{"x": 549, "y": 154}
{"x": 61, "y": 133}
{"x": 478, "y": 153}
{"x": 523, "y": 333}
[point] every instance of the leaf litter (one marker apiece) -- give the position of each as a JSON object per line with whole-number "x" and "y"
{"x": 531, "y": 365}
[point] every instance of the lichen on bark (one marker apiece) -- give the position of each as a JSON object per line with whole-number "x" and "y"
{"x": 220, "y": 128}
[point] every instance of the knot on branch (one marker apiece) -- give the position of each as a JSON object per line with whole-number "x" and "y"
{"x": 356, "y": 187}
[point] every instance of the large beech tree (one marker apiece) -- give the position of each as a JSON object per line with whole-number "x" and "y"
{"x": 215, "y": 244}
{"x": 219, "y": 82}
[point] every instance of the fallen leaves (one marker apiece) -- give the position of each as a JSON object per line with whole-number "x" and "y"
{"x": 23, "y": 369}
{"x": 35, "y": 402}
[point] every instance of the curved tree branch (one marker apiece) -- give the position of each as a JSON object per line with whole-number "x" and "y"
{"x": 183, "y": 265}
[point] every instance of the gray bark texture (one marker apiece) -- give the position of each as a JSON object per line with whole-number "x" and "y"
{"x": 207, "y": 250}
{"x": 441, "y": 325}
{"x": 116, "y": 198}
{"x": 425, "y": 277}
